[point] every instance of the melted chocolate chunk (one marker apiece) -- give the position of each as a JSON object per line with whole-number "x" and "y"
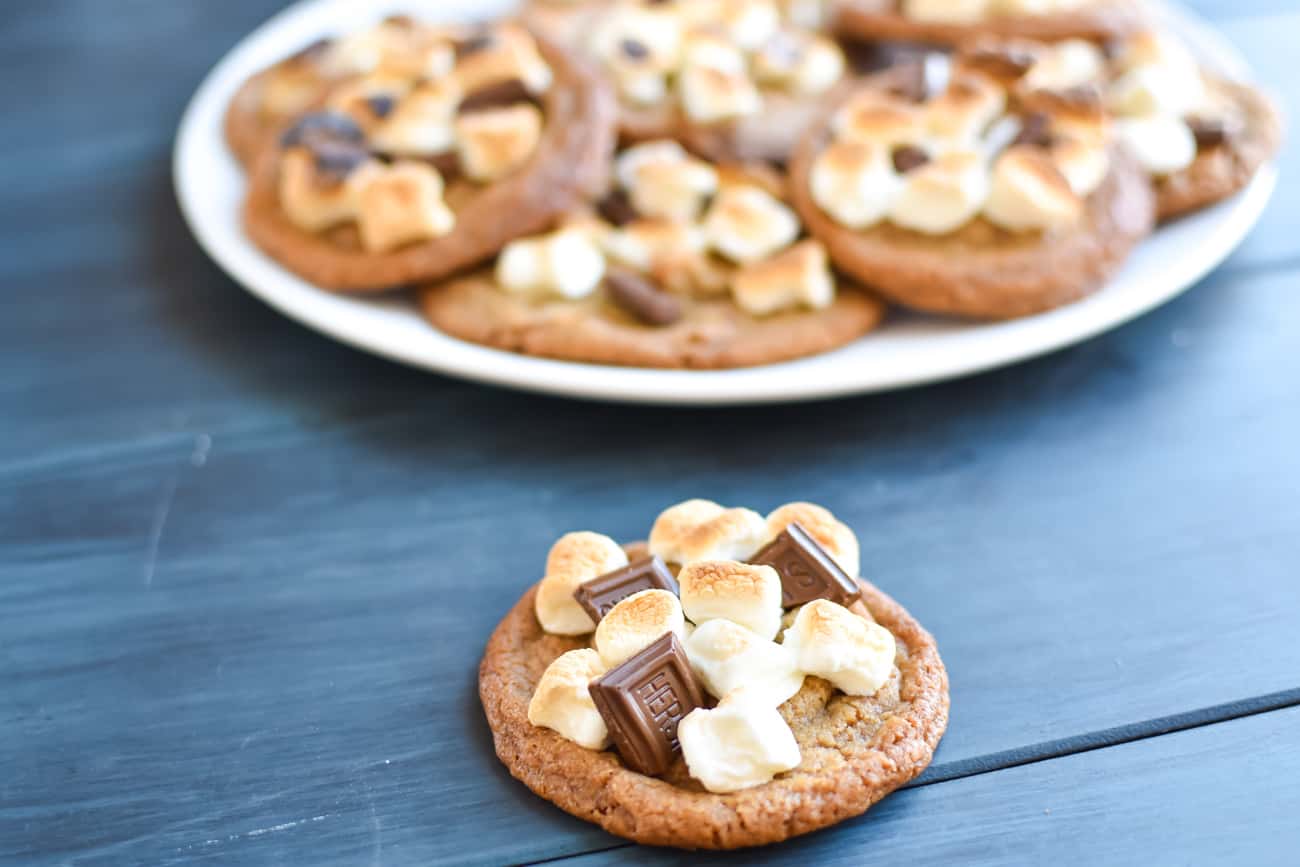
{"x": 498, "y": 95}
{"x": 381, "y": 105}
{"x": 910, "y": 82}
{"x": 642, "y": 298}
{"x": 474, "y": 44}
{"x": 807, "y": 571}
{"x": 603, "y": 592}
{"x": 617, "y": 208}
{"x": 1209, "y": 132}
{"x": 338, "y": 158}
{"x": 643, "y": 699}
{"x": 909, "y": 157}
{"x": 634, "y": 49}
{"x": 323, "y": 126}
{"x": 1035, "y": 130}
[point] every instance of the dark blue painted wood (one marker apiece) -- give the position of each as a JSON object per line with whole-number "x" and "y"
{"x": 1226, "y": 794}
{"x": 226, "y": 543}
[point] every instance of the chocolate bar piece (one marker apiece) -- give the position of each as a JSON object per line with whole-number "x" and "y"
{"x": 603, "y": 592}
{"x": 807, "y": 571}
{"x": 643, "y": 699}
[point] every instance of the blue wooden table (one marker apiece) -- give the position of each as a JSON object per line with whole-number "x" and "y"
{"x": 246, "y": 574}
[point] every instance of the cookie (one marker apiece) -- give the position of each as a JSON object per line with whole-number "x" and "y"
{"x": 731, "y": 80}
{"x": 1199, "y": 136}
{"x": 686, "y": 264}
{"x": 803, "y": 750}
{"x": 979, "y": 200}
{"x": 956, "y": 23}
{"x": 371, "y": 193}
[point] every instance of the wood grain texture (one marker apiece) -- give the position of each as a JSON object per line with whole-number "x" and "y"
{"x": 1203, "y": 796}
{"x": 246, "y": 573}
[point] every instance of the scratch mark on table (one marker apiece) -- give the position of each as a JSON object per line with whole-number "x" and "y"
{"x": 159, "y": 523}
{"x": 257, "y": 832}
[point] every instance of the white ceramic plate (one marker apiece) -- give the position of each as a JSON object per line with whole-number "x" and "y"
{"x": 908, "y": 350}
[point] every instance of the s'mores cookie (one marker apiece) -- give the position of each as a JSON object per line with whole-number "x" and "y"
{"x": 414, "y": 170}
{"x": 763, "y": 693}
{"x": 962, "y": 22}
{"x": 683, "y": 263}
{"x": 989, "y": 185}
{"x": 731, "y": 79}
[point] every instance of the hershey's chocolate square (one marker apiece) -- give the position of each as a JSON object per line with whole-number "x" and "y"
{"x": 603, "y": 592}
{"x": 643, "y": 699}
{"x": 807, "y": 571}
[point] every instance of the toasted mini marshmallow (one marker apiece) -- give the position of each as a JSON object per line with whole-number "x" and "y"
{"x": 1084, "y": 163}
{"x": 946, "y": 11}
{"x": 313, "y": 201}
{"x": 748, "y": 23}
{"x": 401, "y": 204}
{"x": 492, "y": 144}
{"x": 637, "y": 622}
{"x": 965, "y": 109}
{"x": 652, "y": 245}
{"x": 746, "y": 224}
{"x": 563, "y": 703}
{"x": 727, "y": 656}
{"x": 506, "y": 53}
{"x": 808, "y": 14}
{"x": 1155, "y": 48}
{"x": 833, "y": 536}
{"x": 742, "y": 742}
{"x": 1146, "y": 90}
{"x": 639, "y": 47}
{"x": 797, "y": 277}
{"x": 799, "y": 61}
{"x": 703, "y": 530}
{"x": 943, "y": 194}
{"x": 1067, "y": 64}
{"x": 1162, "y": 144}
{"x": 869, "y": 117}
{"x": 567, "y": 263}
{"x": 1029, "y": 193}
{"x": 704, "y": 46}
{"x": 290, "y": 88}
{"x": 421, "y": 122}
{"x": 830, "y": 641}
{"x": 357, "y": 53}
{"x": 662, "y": 180}
{"x": 368, "y": 99}
{"x": 574, "y": 559}
{"x": 1033, "y": 7}
{"x": 743, "y": 593}
{"x": 854, "y": 182}
{"x": 710, "y": 94}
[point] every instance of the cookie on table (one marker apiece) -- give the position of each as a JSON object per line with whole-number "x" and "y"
{"x": 1201, "y": 137}
{"x": 987, "y": 186}
{"x": 961, "y": 22}
{"x": 731, "y": 686}
{"x": 731, "y": 79}
{"x": 686, "y": 263}
{"x": 399, "y": 175}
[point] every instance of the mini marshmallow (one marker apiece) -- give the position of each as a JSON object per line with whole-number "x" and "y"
{"x": 1153, "y": 48}
{"x": 401, "y": 204}
{"x": 1146, "y": 90}
{"x": 832, "y": 535}
{"x": 289, "y": 89}
{"x": 563, "y": 703}
{"x": 357, "y": 53}
{"x": 567, "y": 263}
{"x": 943, "y": 194}
{"x": 799, "y": 61}
{"x": 738, "y": 744}
{"x": 743, "y": 593}
{"x": 312, "y": 202}
{"x": 748, "y": 23}
{"x": 797, "y": 277}
{"x": 509, "y": 53}
{"x": 706, "y": 48}
{"x": 710, "y": 94}
{"x": 727, "y": 656}
{"x": 1033, "y": 7}
{"x": 703, "y": 530}
{"x": 1083, "y": 163}
{"x": 1162, "y": 144}
{"x": 1067, "y": 64}
{"x": 808, "y": 14}
{"x": 637, "y": 622}
{"x": 946, "y": 11}
{"x": 492, "y": 144}
{"x": 639, "y": 46}
{"x": 1029, "y": 192}
{"x": 965, "y": 109}
{"x": 574, "y": 559}
{"x": 830, "y": 641}
{"x": 421, "y": 122}
{"x": 353, "y": 98}
{"x": 875, "y": 119}
{"x": 747, "y": 224}
{"x": 854, "y": 182}
{"x": 664, "y": 181}
{"x": 654, "y": 245}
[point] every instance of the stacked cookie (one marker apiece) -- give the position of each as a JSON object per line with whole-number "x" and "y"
{"x": 730, "y": 682}
{"x": 720, "y": 183}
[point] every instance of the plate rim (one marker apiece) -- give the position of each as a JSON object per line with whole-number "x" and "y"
{"x": 775, "y": 383}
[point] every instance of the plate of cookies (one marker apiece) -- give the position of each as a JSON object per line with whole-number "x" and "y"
{"x": 723, "y": 201}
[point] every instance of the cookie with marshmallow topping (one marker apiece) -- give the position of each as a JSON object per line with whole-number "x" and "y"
{"x": 963, "y": 22}
{"x": 985, "y": 196}
{"x": 426, "y": 154}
